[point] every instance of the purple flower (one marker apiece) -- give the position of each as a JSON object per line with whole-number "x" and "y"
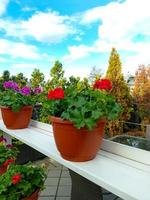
{"x": 15, "y": 86}
{"x": 37, "y": 90}
{"x": 11, "y": 84}
{"x": 9, "y": 146}
{"x": 8, "y": 84}
{"x": 25, "y": 90}
{"x": 2, "y": 139}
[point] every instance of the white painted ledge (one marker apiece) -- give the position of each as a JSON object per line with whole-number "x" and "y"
{"x": 126, "y": 178}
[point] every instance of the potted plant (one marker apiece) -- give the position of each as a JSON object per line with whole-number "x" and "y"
{"x": 16, "y": 104}
{"x": 22, "y": 182}
{"x": 8, "y": 155}
{"x": 78, "y": 113}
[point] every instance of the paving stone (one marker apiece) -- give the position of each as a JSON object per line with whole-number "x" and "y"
{"x": 65, "y": 168}
{"x": 54, "y": 173}
{"x": 51, "y": 181}
{"x": 64, "y": 191}
{"x": 63, "y": 198}
{"x": 49, "y": 191}
{"x": 46, "y": 198}
{"x": 56, "y": 164}
{"x": 65, "y": 173}
{"x": 65, "y": 181}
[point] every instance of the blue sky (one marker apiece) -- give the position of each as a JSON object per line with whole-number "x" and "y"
{"x": 33, "y": 34}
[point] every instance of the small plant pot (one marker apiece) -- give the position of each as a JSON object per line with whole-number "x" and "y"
{"x": 16, "y": 120}
{"x": 33, "y": 196}
{"x": 3, "y": 169}
{"x": 77, "y": 144}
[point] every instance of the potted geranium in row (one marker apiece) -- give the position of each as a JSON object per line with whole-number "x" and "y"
{"x": 78, "y": 113}
{"x": 22, "y": 182}
{"x": 8, "y": 154}
{"x": 17, "y": 104}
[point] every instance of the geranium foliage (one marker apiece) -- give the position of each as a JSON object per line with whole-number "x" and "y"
{"x": 82, "y": 104}
{"x": 21, "y": 181}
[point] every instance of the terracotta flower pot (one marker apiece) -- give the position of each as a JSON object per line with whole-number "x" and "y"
{"x": 3, "y": 169}
{"x": 16, "y": 120}
{"x": 33, "y": 196}
{"x": 77, "y": 144}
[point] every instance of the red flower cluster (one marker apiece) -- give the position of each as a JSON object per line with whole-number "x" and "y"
{"x": 103, "y": 84}
{"x": 7, "y": 162}
{"x": 57, "y": 93}
{"x": 16, "y": 178}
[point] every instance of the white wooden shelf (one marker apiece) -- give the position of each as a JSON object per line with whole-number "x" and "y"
{"x": 126, "y": 178}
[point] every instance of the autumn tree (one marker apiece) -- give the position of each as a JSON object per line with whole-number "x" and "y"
{"x": 37, "y": 79}
{"x": 141, "y": 91}
{"x": 120, "y": 90}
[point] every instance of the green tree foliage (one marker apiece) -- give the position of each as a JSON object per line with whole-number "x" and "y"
{"x": 120, "y": 90}
{"x": 56, "y": 80}
{"x": 37, "y": 79}
{"x": 5, "y": 77}
{"x": 20, "y": 79}
{"x": 57, "y": 75}
{"x": 141, "y": 91}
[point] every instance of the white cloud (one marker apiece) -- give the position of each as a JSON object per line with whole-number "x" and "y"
{"x": 119, "y": 24}
{"x": 77, "y": 52}
{"x": 78, "y": 38}
{"x": 77, "y": 71}
{"x": 3, "y": 59}
{"x": 23, "y": 66}
{"x": 18, "y": 49}
{"x": 142, "y": 57}
{"x": 3, "y": 6}
{"x": 47, "y": 27}
{"x": 28, "y": 9}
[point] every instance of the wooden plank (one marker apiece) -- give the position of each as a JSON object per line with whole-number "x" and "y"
{"x": 119, "y": 175}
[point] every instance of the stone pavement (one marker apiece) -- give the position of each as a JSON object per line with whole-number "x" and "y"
{"x": 58, "y": 183}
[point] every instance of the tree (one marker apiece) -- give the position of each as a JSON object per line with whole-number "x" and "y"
{"x": 56, "y": 80}
{"x": 57, "y": 74}
{"x": 57, "y": 77}
{"x": 37, "y": 79}
{"x": 6, "y": 76}
{"x": 120, "y": 90}
{"x": 141, "y": 91}
{"x": 95, "y": 74}
{"x": 20, "y": 79}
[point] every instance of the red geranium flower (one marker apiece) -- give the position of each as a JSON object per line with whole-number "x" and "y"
{"x": 16, "y": 178}
{"x": 57, "y": 93}
{"x": 103, "y": 84}
{"x": 7, "y": 162}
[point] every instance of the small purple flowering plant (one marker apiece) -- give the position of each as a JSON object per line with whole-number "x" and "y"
{"x": 15, "y": 97}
